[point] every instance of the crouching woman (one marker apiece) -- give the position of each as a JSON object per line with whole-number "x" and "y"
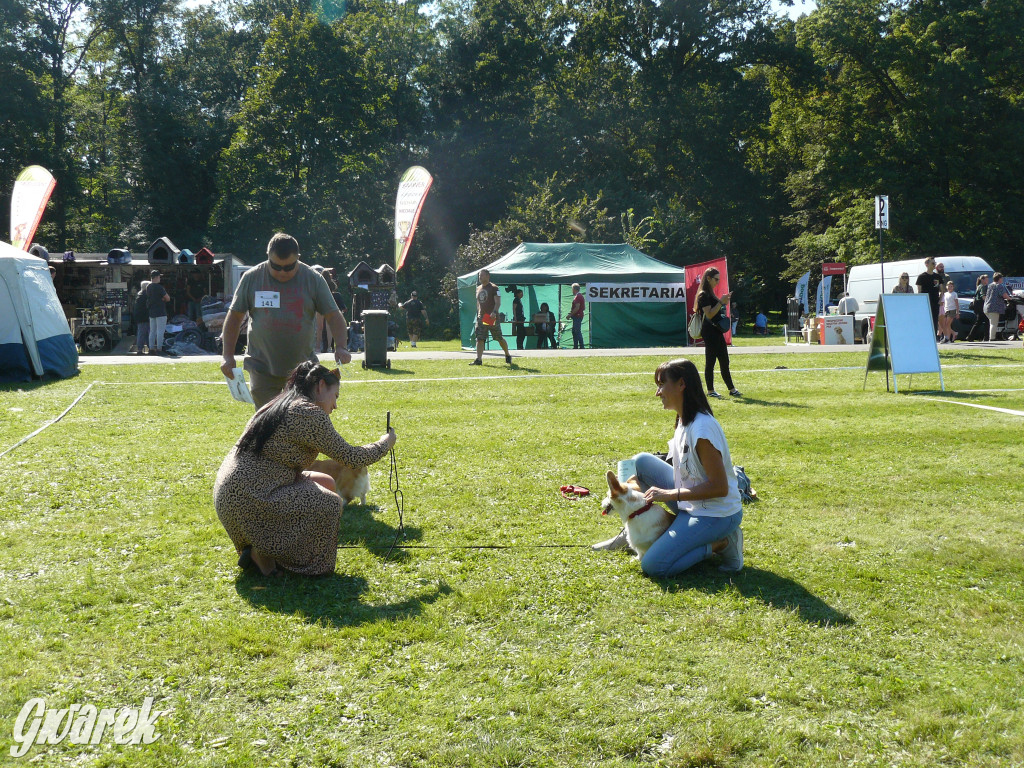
{"x": 700, "y": 482}
{"x": 278, "y": 513}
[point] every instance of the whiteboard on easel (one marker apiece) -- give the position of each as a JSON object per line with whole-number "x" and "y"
{"x": 911, "y": 332}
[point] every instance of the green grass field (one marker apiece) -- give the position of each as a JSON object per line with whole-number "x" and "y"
{"x": 877, "y": 622}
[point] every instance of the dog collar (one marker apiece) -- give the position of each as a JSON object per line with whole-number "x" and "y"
{"x": 642, "y": 510}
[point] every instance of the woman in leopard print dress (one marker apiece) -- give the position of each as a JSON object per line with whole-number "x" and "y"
{"x": 276, "y": 511}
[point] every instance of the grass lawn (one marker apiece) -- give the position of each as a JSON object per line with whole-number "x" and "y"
{"x": 877, "y": 622}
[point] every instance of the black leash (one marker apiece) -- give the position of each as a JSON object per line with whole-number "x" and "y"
{"x": 397, "y": 493}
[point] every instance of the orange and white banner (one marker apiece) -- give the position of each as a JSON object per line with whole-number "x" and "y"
{"x": 28, "y": 201}
{"x": 412, "y": 191}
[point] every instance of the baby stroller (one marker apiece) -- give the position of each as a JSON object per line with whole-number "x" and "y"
{"x": 1011, "y": 324}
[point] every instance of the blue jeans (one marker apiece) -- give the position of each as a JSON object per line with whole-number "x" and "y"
{"x": 577, "y": 333}
{"x": 688, "y": 540}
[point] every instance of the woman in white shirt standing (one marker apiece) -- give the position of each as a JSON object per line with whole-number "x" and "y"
{"x": 700, "y": 483}
{"x": 950, "y": 310}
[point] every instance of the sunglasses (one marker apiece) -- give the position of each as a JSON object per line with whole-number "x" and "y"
{"x": 283, "y": 267}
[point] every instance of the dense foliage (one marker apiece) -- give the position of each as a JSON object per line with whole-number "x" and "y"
{"x": 690, "y": 128}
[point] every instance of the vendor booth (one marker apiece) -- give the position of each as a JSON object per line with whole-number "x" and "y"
{"x": 97, "y": 290}
{"x": 632, "y": 299}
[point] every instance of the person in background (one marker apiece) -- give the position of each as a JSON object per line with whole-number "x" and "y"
{"x": 713, "y": 333}
{"x": 979, "y": 330}
{"x": 700, "y": 484}
{"x": 903, "y": 284}
{"x": 488, "y": 302}
{"x": 950, "y": 310}
{"x": 928, "y": 282}
{"x": 941, "y": 337}
{"x": 282, "y": 297}
{"x": 995, "y": 304}
{"x": 761, "y": 324}
{"x": 518, "y": 318}
{"x": 332, "y": 283}
{"x": 847, "y": 305}
{"x": 734, "y": 313}
{"x": 140, "y": 314}
{"x": 940, "y": 272}
{"x": 416, "y": 317}
{"x": 576, "y": 316}
{"x": 546, "y": 330}
{"x": 194, "y": 294}
{"x": 156, "y": 300}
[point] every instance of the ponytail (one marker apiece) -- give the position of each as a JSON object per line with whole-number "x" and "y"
{"x": 302, "y": 383}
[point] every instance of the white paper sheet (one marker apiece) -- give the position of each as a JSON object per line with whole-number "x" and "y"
{"x": 239, "y": 389}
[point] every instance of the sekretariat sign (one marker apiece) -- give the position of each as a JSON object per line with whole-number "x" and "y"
{"x": 622, "y": 292}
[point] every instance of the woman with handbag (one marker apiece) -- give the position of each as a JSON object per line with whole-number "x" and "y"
{"x": 979, "y": 331}
{"x": 715, "y": 324}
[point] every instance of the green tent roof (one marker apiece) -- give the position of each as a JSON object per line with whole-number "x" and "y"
{"x": 544, "y": 263}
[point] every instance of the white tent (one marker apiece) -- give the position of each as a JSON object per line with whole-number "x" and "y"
{"x": 34, "y": 334}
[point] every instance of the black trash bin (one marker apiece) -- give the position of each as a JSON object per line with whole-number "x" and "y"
{"x": 375, "y": 338}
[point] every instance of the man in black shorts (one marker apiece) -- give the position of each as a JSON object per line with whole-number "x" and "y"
{"x": 928, "y": 282}
{"x": 488, "y": 301}
{"x": 415, "y": 318}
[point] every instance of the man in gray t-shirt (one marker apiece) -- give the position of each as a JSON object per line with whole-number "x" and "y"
{"x": 282, "y": 297}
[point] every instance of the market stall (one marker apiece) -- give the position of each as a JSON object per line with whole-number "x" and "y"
{"x": 633, "y": 300}
{"x": 98, "y": 296}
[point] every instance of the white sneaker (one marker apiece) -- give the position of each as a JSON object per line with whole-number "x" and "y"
{"x": 732, "y": 555}
{"x": 616, "y": 542}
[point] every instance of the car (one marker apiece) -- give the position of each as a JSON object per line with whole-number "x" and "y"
{"x": 865, "y": 283}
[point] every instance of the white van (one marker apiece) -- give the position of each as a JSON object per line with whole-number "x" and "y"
{"x": 865, "y": 283}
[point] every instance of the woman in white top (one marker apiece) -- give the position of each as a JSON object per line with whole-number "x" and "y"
{"x": 950, "y": 310}
{"x": 700, "y": 483}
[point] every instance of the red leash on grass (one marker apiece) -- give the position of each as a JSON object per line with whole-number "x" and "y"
{"x": 574, "y": 491}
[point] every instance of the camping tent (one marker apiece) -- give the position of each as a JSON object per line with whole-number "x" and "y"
{"x": 34, "y": 334}
{"x": 632, "y": 299}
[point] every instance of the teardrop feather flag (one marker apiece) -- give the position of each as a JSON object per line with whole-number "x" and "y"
{"x": 28, "y": 201}
{"x": 412, "y": 191}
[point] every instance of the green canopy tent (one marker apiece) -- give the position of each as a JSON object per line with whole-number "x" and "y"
{"x": 632, "y": 299}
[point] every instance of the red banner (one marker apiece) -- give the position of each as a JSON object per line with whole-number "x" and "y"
{"x": 833, "y": 268}
{"x": 694, "y": 272}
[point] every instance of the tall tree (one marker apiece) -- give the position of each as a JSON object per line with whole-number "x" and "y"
{"x": 22, "y": 101}
{"x": 918, "y": 100}
{"x": 306, "y": 142}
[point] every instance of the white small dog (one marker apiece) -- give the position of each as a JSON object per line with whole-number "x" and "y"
{"x": 644, "y": 521}
{"x": 351, "y": 483}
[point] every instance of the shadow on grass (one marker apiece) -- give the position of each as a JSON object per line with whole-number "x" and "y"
{"x": 771, "y": 589}
{"x": 361, "y": 526}
{"x": 770, "y": 403}
{"x": 952, "y": 393}
{"x": 390, "y": 371}
{"x": 958, "y": 354}
{"x": 334, "y": 600}
{"x": 516, "y": 366}
{"x": 31, "y": 386}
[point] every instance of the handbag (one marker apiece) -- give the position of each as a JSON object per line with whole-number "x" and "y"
{"x": 693, "y": 328}
{"x": 723, "y": 321}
